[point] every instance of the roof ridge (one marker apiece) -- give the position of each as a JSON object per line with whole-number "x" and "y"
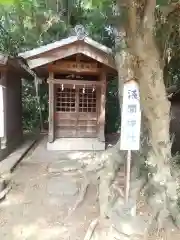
{"x": 61, "y": 43}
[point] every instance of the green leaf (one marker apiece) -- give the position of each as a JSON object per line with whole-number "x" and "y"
{"x": 97, "y": 3}
{"x": 162, "y": 2}
{"x": 165, "y": 2}
{"x": 6, "y": 2}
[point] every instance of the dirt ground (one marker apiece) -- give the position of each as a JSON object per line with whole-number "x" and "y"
{"x": 45, "y": 187}
{"x": 38, "y": 204}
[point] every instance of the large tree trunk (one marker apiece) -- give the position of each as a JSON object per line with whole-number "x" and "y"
{"x": 155, "y": 104}
{"x": 156, "y": 109}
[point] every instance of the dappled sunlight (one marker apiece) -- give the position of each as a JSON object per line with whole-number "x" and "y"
{"x": 109, "y": 145}
{"x": 83, "y": 158}
{"x": 126, "y": 228}
{"x": 38, "y": 230}
{"x": 37, "y": 207}
{"x": 51, "y": 233}
{"x": 54, "y": 201}
{"x": 89, "y": 156}
{"x": 79, "y": 155}
{"x": 13, "y": 199}
{"x": 105, "y": 156}
{"x": 23, "y": 232}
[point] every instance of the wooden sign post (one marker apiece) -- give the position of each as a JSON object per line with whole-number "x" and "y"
{"x": 130, "y": 126}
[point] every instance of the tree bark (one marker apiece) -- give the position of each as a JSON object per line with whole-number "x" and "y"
{"x": 156, "y": 109}
{"x": 140, "y": 60}
{"x": 145, "y": 66}
{"x": 155, "y": 104}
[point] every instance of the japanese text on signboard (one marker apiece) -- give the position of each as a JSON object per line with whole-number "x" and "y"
{"x": 131, "y": 117}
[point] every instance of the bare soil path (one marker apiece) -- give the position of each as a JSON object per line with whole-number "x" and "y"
{"x": 45, "y": 188}
{"x": 42, "y": 196}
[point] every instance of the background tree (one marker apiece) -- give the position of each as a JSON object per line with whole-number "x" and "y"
{"x": 28, "y": 24}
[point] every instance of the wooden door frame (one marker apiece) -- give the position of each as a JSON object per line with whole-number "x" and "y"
{"x": 51, "y": 132}
{"x": 100, "y": 104}
{"x": 77, "y": 107}
{"x": 101, "y": 119}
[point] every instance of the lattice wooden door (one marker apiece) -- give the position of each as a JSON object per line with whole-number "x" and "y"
{"x": 76, "y": 112}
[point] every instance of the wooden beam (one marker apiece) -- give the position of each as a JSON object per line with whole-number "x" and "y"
{"x": 75, "y": 82}
{"x": 51, "y": 110}
{"x": 3, "y": 83}
{"x": 1, "y": 112}
{"x": 101, "y": 120}
{"x": 60, "y": 53}
{"x": 3, "y": 68}
{"x": 77, "y": 109}
{"x": 74, "y": 67}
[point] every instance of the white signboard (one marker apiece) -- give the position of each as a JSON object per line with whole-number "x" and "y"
{"x": 1, "y": 112}
{"x": 131, "y": 117}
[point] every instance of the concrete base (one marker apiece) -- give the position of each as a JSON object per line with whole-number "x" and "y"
{"x": 76, "y": 144}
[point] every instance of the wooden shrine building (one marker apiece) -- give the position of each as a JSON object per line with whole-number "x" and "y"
{"x": 11, "y": 129}
{"x": 76, "y": 70}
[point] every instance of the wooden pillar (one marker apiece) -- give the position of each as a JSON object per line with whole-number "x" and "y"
{"x": 3, "y": 84}
{"x": 51, "y": 135}
{"x": 101, "y": 135}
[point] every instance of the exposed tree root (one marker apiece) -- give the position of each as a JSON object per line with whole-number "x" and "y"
{"x": 81, "y": 197}
{"x": 104, "y": 171}
{"x": 5, "y": 192}
{"x": 108, "y": 193}
{"x": 107, "y": 177}
{"x": 91, "y": 229}
{"x": 104, "y": 168}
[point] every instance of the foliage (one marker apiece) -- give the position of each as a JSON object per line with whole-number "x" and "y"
{"x": 6, "y": 1}
{"x": 27, "y": 24}
{"x": 112, "y": 107}
{"x": 30, "y": 111}
{"x": 32, "y": 23}
{"x": 30, "y": 107}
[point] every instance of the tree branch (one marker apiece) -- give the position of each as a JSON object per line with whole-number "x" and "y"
{"x": 167, "y": 10}
{"x": 149, "y": 18}
{"x": 132, "y": 11}
{"x": 132, "y": 26}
